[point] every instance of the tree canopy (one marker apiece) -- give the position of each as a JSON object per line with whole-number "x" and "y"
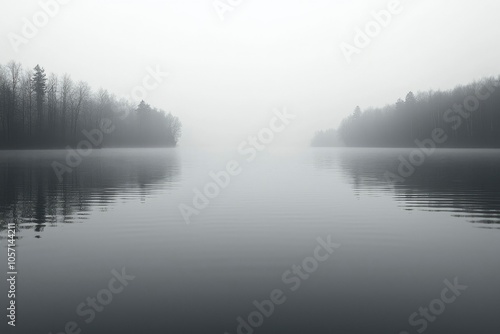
{"x": 40, "y": 111}
{"x": 469, "y": 115}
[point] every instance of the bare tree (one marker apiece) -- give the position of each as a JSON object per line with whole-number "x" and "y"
{"x": 36, "y": 112}
{"x": 26, "y": 101}
{"x": 4, "y": 101}
{"x": 52, "y": 87}
{"x": 65, "y": 95}
{"x": 81, "y": 94}
{"x": 14, "y": 70}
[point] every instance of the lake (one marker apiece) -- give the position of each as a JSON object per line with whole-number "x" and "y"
{"x": 418, "y": 256}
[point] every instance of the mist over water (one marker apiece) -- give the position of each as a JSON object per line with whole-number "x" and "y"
{"x": 249, "y": 167}
{"x": 119, "y": 208}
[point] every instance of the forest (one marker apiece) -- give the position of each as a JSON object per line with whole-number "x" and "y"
{"x": 40, "y": 111}
{"x": 468, "y": 114}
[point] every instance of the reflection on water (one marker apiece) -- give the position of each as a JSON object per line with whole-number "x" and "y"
{"x": 465, "y": 183}
{"x": 200, "y": 278}
{"x": 32, "y": 196}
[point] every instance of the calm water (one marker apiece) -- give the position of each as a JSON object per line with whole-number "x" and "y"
{"x": 119, "y": 208}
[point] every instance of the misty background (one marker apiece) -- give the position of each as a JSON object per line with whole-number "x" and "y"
{"x": 225, "y": 77}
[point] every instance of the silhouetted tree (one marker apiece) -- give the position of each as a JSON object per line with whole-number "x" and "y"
{"x": 39, "y": 86}
{"x": 415, "y": 118}
{"x": 60, "y": 111}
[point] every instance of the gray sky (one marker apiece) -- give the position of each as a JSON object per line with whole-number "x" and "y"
{"x": 226, "y": 76}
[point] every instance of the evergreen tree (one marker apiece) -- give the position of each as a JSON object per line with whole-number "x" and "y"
{"x": 39, "y": 87}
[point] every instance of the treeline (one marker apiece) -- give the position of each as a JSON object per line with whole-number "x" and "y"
{"x": 469, "y": 116}
{"x": 47, "y": 111}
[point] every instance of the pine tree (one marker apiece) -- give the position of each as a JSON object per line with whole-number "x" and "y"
{"x": 39, "y": 87}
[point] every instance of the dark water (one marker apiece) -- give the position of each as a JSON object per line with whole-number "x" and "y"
{"x": 120, "y": 209}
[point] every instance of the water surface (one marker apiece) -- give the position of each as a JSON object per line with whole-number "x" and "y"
{"x": 120, "y": 209}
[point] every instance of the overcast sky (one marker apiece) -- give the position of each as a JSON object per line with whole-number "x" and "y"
{"x": 226, "y": 76}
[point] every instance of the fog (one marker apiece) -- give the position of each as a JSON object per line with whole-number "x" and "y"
{"x": 227, "y": 76}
